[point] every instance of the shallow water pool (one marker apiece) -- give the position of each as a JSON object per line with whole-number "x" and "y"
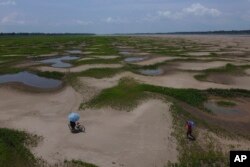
{"x": 30, "y": 79}
{"x": 151, "y": 72}
{"x": 59, "y": 62}
{"x": 215, "y": 108}
{"x": 134, "y": 59}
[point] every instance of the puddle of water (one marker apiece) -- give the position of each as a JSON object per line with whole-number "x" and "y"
{"x": 215, "y": 108}
{"x": 152, "y": 72}
{"x": 135, "y": 59}
{"x": 30, "y": 80}
{"x": 58, "y": 62}
{"x": 74, "y": 51}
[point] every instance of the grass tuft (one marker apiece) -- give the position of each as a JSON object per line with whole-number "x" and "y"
{"x": 101, "y": 72}
{"x": 78, "y": 163}
{"x": 124, "y": 96}
{"x": 226, "y": 103}
{"x": 13, "y": 150}
{"x": 53, "y": 74}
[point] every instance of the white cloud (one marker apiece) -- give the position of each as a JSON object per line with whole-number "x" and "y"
{"x": 165, "y": 13}
{"x": 195, "y": 10}
{"x": 109, "y": 20}
{"x": 170, "y": 15}
{"x": 12, "y": 18}
{"x": 7, "y": 2}
{"x": 200, "y": 10}
{"x": 115, "y": 20}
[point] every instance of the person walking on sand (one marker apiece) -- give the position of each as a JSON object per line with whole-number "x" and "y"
{"x": 189, "y": 127}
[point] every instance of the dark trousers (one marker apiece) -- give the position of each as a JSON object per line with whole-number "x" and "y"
{"x": 189, "y": 135}
{"x": 73, "y": 125}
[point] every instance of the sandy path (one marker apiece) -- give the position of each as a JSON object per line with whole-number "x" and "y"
{"x": 198, "y": 54}
{"x": 155, "y": 60}
{"x": 141, "y": 137}
{"x": 248, "y": 71}
{"x": 107, "y": 57}
{"x": 78, "y": 68}
{"x": 49, "y": 54}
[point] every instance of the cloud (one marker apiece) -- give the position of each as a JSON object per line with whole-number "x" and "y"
{"x": 200, "y": 10}
{"x": 195, "y": 10}
{"x": 12, "y": 18}
{"x": 115, "y": 20}
{"x": 7, "y": 2}
{"x": 170, "y": 15}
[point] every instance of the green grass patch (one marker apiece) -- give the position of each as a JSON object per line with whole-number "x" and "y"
{"x": 229, "y": 93}
{"x": 100, "y": 72}
{"x": 192, "y": 153}
{"x": 227, "y": 69}
{"x": 226, "y": 103}
{"x": 128, "y": 93}
{"x": 36, "y": 45}
{"x": 193, "y": 97}
{"x": 9, "y": 70}
{"x": 124, "y": 96}
{"x": 78, "y": 163}
{"x": 48, "y": 74}
{"x": 13, "y": 150}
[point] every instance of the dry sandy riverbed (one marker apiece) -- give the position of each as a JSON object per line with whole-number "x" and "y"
{"x": 174, "y": 79}
{"x": 205, "y": 65}
{"x": 141, "y": 137}
{"x": 155, "y": 60}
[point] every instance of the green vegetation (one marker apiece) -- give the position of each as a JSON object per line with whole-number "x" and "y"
{"x": 101, "y": 46}
{"x": 191, "y": 96}
{"x": 194, "y": 153}
{"x": 231, "y": 93}
{"x": 9, "y": 70}
{"x": 166, "y": 47}
{"x": 77, "y": 163}
{"x": 35, "y": 45}
{"x": 120, "y": 96}
{"x": 13, "y": 150}
{"x": 226, "y": 103}
{"x": 100, "y": 72}
{"x": 128, "y": 93}
{"x": 227, "y": 69}
{"x": 48, "y": 74}
{"x": 124, "y": 96}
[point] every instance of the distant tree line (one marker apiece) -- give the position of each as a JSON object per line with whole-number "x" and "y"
{"x": 41, "y": 34}
{"x": 222, "y": 32}
{"x": 239, "y": 32}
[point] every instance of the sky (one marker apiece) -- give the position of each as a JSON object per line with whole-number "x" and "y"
{"x": 123, "y": 16}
